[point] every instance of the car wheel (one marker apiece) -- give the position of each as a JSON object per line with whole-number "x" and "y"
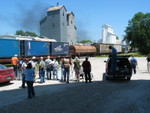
{"x": 128, "y": 78}
{"x": 7, "y": 82}
{"x": 107, "y": 78}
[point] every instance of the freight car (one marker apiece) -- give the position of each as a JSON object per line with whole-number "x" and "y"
{"x": 8, "y": 48}
{"x": 29, "y": 48}
{"x": 82, "y": 50}
{"x": 104, "y": 48}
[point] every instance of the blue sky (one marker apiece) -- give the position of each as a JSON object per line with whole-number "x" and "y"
{"x": 90, "y": 15}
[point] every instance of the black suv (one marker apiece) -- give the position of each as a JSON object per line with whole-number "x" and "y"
{"x": 123, "y": 69}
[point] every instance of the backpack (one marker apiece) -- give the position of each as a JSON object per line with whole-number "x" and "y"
{"x": 50, "y": 67}
{"x": 20, "y": 62}
{"x": 67, "y": 65}
{"x": 76, "y": 65}
{"x": 133, "y": 61}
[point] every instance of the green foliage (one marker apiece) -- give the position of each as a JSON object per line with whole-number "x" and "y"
{"x": 85, "y": 41}
{"x": 8, "y": 65}
{"x": 27, "y": 33}
{"x": 20, "y": 32}
{"x": 137, "y": 54}
{"x": 138, "y": 32}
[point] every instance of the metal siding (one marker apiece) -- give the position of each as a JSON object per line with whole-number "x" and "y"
{"x": 59, "y": 48}
{"x": 36, "y": 48}
{"x": 9, "y": 48}
{"x": 104, "y": 48}
{"x": 118, "y": 47}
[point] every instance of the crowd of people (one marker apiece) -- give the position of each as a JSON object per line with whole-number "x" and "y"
{"x": 28, "y": 70}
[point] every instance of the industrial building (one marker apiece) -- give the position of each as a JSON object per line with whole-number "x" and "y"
{"x": 59, "y": 25}
{"x": 108, "y": 35}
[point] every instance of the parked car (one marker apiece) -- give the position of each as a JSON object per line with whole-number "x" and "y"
{"x": 6, "y": 74}
{"x": 123, "y": 69}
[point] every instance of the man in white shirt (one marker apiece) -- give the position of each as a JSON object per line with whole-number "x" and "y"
{"x": 54, "y": 63}
{"x": 48, "y": 70}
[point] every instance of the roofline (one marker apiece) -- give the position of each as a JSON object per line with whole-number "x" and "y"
{"x": 107, "y": 25}
{"x": 70, "y": 12}
{"x": 61, "y": 6}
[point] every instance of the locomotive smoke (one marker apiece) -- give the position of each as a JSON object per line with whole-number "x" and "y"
{"x": 82, "y": 33}
{"x": 29, "y": 18}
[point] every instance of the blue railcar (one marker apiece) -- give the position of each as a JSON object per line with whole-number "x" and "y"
{"x": 9, "y": 47}
{"x": 59, "y": 48}
{"x": 35, "y": 48}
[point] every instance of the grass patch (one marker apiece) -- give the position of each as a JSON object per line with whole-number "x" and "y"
{"x": 8, "y": 65}
{"x": 137, "y": 54}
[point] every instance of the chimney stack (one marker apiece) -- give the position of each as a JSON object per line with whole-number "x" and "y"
{"x": 57, "y": 4}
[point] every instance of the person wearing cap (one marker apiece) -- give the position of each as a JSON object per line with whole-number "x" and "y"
{"x": 34, "y": 63}
{"x": 113, "y": 59}
{"x": 24, "y": 65}
{"x": 14, "y": 62}
{"x": 87, "y": 69}
{"x": 42, "y": 67}
{"x": 133, "y": 63}
{"x": 55, "y": 69}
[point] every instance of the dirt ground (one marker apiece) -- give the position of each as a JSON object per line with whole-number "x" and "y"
{"x": 100, "y": 96}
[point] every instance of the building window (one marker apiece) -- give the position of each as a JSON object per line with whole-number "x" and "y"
{"x": 63, "y": 14}
{"x": 53, "y": 24}
{"x": 63, "y": 24}
{"x": 53, "y": 14}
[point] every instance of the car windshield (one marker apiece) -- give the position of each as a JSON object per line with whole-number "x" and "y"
{"x": 2, "y": 67}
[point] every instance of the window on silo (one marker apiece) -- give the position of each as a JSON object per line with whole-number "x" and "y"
{"x": 68, "y": 20}
{"x": 63, "y": 14}
{"x": 53, "y": 14}
{"x": 63, "y": 24}
{"x": 53, "y": 24}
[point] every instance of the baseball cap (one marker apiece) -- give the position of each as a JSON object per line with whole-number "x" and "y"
{"x": 33, "y": 57}
{"x": 15, "y": 55}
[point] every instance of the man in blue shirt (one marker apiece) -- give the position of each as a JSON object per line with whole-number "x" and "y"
{"x": 113, "y": 59}
{"x": 133, "y": 62}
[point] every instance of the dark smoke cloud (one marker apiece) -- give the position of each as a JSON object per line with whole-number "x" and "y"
{"x": 82, "y": 32}
{"x": 28, "y": 19}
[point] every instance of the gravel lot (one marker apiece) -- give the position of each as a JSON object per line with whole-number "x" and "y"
{"x": 100, "y": 96}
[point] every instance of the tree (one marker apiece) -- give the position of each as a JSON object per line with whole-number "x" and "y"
{"x": 85, "y": 41}
{"x": 138, "y": 32}
{"x": 20, "y": 32}
{"x": 27, "y": 33}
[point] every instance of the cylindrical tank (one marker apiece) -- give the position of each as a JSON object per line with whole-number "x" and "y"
{"x": 79, "y": 50}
